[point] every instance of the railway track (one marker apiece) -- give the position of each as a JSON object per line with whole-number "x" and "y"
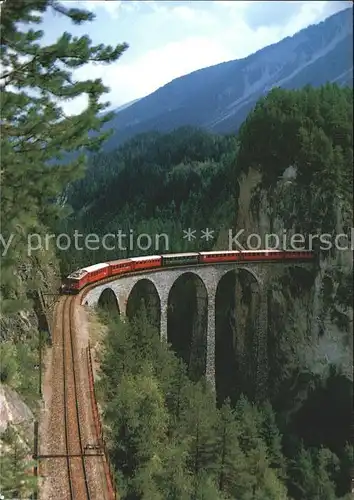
{"x": 72, "y": 462}
{"x": 76, "y": 466}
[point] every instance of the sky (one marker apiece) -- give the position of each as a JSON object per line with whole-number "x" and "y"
{"x": 169, "y": 39}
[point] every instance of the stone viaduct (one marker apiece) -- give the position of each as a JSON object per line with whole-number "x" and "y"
{"x": 207, "y": 279}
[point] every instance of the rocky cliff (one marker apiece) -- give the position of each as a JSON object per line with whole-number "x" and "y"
{"x": 310, "y": 312}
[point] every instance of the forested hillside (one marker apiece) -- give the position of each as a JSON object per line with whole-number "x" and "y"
{"x": 155, "y": 183}
{"x": 168, "y": 440}
{"x": 189, "y": 178}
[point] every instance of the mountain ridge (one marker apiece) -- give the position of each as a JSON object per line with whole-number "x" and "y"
{"x": 218, "y": 98}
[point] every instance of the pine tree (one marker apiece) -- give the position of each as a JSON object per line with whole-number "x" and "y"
{"x": 264, "y": 481}
{"x": 231, "y": 465}
{"x": 16, "y": 469}
{"x": 174, "y": 479}
{"x": 272, "y": 438}
{"x": 36, "y": 134}
{"x": 138, "y": 430}
{"x": 312, "y": 472}
{"x": 198, "y": 419}
{"x": 178, "y": 380}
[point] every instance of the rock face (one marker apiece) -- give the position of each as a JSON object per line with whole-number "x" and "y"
{"x": 37, "y": 273}
{"x": 220, "y": 97}
{"x": 307, "y": 313}
{"x": 13, "y": 410}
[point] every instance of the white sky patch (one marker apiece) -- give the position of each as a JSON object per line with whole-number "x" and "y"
{"x": 143, "y": 75}
{"x": 112, "y": 7}
{"x": 310, "y": 13}
{"x": 230, "y": 4}
{"x": 185, "y": 13}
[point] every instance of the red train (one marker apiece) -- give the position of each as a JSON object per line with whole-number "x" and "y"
{"x": 82, "y": 277}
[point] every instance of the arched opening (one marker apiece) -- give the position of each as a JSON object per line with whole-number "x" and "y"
{"x": 236, "y": 320}
{"x": 187, "y": 322}
{"x": 144, "y": 295}
{"x": 108, "y": 301}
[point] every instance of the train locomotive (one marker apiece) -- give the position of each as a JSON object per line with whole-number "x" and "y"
{"x": 77, "y": 280}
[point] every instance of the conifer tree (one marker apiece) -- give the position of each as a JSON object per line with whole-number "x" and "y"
{"x": 17, "y": 480}
{"x": 174, "y": 478}
{"x": 232, "y": 475}
{"x": 311, "y": 474}
{"x": 272, "y": 438}
{"x": 198, "y": 419}
{"x": 138, "y": 429}
{"x": 36, "y": 134}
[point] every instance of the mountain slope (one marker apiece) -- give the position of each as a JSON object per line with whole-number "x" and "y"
{"x": 219, "y": 98}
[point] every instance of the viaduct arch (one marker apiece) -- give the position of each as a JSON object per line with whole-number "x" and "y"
{"x": 187, "y": 308}
{"x": 158, "y": 290}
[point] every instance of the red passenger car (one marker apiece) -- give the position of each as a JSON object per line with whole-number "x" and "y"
{"x": 97, "y": 272}
{"x": 219, "y": 256}
{"x": 261, "y": 255}
{"x": 299, "y": 254}
{"x": 276, "y": 255}
{"x": 119, "y": 266}
{"x": 254, "y": 255}
{"x": 146, "y": 262}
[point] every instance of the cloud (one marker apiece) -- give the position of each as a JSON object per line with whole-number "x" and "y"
{"x": 112, "y": 7}
{"x": 144, "y": 75}
{"x": 185, "y": 13}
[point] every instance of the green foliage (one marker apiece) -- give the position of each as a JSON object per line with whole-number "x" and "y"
{"x": 36, "y": 139}
{"x": 35, "y": 132}
{"x": 9, "y": 365}
{"x": 19, "y": 367}
{"x": 233, "y": 478}
{"x": 16, "y": 469}
{"x": 154, "y": 184}
{"x": 312, "y": 475}
{"x": 168, "y": 439}
{"x": 310, "y": 130}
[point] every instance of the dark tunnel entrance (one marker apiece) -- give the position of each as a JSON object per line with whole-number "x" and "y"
{"x": 108, "y": 301}
{"x": 236, "y": 320}
{"x": 187, "y": 322}
{"x": 144, "y": 295}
